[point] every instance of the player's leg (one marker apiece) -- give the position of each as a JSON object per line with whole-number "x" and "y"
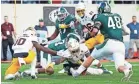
{"x": 119, "y": 59}
{"x": 94, "y": 71}
{"x": 99, "y": 52}
{"x": 33, "y": 65}
{"x": 98, "y": 39}
{"x": 30, "y": 57}
{"x": 12, "y": 70}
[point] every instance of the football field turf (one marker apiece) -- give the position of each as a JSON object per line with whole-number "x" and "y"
{"x": 64, "y": 79}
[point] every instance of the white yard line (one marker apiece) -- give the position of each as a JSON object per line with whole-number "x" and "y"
{"x": 114, "y": 65}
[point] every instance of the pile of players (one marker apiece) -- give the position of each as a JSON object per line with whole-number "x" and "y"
{"x": 83, "y": 41}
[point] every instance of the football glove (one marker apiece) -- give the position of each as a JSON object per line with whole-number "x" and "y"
{"x": 63, "y": 26}
{"x": 50, "y": 65}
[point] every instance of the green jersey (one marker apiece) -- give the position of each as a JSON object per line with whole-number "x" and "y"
{"x": 64, "y": 32}
{"x": 111, "y": 25}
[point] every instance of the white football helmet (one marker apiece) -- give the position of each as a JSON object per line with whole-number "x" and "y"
{"x": 62, "y": 13}
{"x": 80, "y": 9}
{"x": 73, "y": 43}
{"x": 29, "y": 32}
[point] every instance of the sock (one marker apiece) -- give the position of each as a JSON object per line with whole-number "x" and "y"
{"x": 94, "y": 71}
{"x": 80, "y": 69}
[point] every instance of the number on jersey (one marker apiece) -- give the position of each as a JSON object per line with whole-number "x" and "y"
{"x": 20, "y": 41}
{"x": 114, "y": 22}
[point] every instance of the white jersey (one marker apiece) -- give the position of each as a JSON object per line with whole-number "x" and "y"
{"x": 85, "y": 19}
{"x": 75, "y": 57}
{"x": 24, "y": 44}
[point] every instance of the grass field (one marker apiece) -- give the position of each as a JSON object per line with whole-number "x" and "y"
{"x": 64, "y": 79}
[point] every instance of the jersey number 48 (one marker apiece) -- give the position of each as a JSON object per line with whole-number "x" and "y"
{"x": 114, "y": 22}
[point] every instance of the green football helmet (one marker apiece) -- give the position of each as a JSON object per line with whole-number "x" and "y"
{"x": 62, "y": 13}
{"x": 104, "y": 7}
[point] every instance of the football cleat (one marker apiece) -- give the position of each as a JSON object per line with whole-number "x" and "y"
{"x": 9, "y": 77}
{"x": 33, "y": 77}
{"x": 24, "y": 74}
{"x": 128, "y": 75}
{"x": 17, "y": 75}
{"x": 73, "y": 72}
{"x": 61, "y": 71}
{"x": 106, "y": 71}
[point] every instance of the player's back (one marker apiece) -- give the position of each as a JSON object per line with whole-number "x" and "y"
{"x": 23, "y": 44}
{"x": 111, "y": 25}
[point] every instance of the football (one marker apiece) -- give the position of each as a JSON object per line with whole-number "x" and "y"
{"x": 49, "y": 70}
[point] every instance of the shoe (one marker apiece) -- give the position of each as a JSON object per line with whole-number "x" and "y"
{"x": 24, "y": 74}
{"x": 128, "y": 75}
{"x": 17, "y": 75}
{"x": 74, "y": 73}
{"x": 106, "y": 71}
{"x": 61, "y": 71}
{"x": 33, "y": 77}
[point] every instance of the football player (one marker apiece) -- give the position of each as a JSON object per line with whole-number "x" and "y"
{"x": 75, "y": 54}
{"x": 110, "y": 25}
{"x": 86, "y": 19}
{"x": 64, "y": 25}
{"x": 24, "y": 54}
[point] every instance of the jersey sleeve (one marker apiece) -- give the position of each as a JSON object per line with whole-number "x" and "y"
{"x": 34, "y": 38}
{"x": 86, "y": 50}
{"x": 66, "y": 54}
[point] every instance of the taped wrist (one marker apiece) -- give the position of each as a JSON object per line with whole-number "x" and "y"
{"x": 81, "y": 69}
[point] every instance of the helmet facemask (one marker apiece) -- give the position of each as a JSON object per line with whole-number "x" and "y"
{"x": 62, "y": 13}
{"x": 73, "y": 46}
{"x": 80, "y": 9}
{"x": 62, "y": 16}
{"x": 81, "y": 12}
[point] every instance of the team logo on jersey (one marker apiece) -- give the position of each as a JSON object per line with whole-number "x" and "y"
{"x": 53, "y": 16}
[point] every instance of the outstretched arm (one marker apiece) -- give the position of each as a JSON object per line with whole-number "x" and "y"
{"x": 46, "y": 50}
{"x": 54, "y": 35}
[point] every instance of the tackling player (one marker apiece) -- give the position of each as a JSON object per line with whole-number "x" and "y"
{"x": 87, "y": 36}
{"x": 75, "y": 54}
{"x": 110, "y": 25}
{"x": 64, "y": 25}
{"x": 24, "y": 54}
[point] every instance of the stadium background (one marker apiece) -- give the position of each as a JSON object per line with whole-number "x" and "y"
{"x": 25, "y": 15}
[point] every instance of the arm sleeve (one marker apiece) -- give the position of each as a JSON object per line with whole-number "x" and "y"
{"x": 34, "y": 38}
{"x": 46, "y": 28}
{"x": 12, "y": 27}
{"x": 87, "y": 53}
